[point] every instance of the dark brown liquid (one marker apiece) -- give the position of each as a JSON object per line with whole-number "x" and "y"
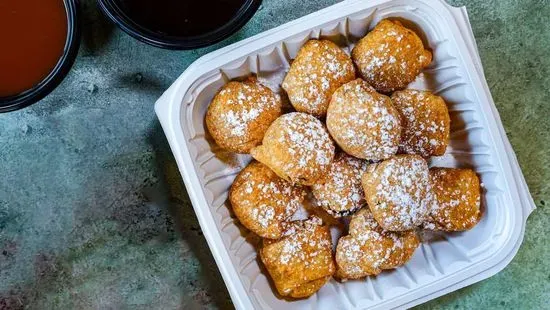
{"x": 32, "y": 40}
{"x": 181, "y": 17}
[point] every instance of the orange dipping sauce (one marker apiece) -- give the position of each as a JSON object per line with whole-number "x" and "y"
{"x": 32, "y": 40}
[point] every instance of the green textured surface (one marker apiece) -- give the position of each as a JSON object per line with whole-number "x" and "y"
{"x": 93, "y": 214}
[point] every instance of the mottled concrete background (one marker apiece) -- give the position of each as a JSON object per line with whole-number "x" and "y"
{"x": 93, "y": 214}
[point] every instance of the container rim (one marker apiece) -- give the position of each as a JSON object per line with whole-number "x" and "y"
{"x": 117, "y": 15}
{"x": 58, "y": 73}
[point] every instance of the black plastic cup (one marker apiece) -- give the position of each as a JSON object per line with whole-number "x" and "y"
{"x": 58, "y": 73}
{"x": 124, "y": 22}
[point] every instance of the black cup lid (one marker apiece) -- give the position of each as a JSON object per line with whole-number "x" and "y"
{"x": 116, "y": 13}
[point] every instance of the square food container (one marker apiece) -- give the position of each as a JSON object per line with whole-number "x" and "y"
{"x": 444, "y": 264}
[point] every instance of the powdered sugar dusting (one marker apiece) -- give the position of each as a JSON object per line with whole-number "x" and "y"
{"x": 340, "y": 192}
{"x": 399, "y": 192}
{"x": 238, "y": 122}
{"x": 240, "y": 113}
{"x": 390, "y": 56}
{"x": 309, "y": 140}
{"x": 302, "y": 256}
{"x": 368, "y": 248}
{"x": 426, "y": 122}
{"x": 319, "y": 68}
{"x": 363, "y": 122}
{"x": 456, "y": 199}
{"x": 263, "y": 202}
{"x": 301, "y": 234}
{"x": 299, "y": 145}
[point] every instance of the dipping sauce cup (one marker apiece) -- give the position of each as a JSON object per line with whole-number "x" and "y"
{"x": 180, "y": 24}
{"x": 39, "y": 43}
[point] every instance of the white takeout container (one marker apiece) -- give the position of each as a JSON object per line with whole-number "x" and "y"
{"x": 444, "y": 264}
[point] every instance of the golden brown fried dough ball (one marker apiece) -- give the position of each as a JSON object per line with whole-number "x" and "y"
{"x": 318, "y": 70}
{"x": 363, "y": 122}
{"x": 300, "y": 262}
{"x": 368, "y": 249}
{"x": 297, "y": 147}
{"x": 390, "y": 56}
{"x": 425, "y": 121}
{"x": 340, "y": 192}
{"x": 262, "y": 201}
{"x": 398, "y": 192}
{"x": 457, "y": 200}
{"x": 240, "y": 113}
{"x": 358, "y": 256}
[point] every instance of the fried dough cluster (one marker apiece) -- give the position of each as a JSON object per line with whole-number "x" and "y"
{"x": 300, "y": 262}
{"x": 340, "y": 192}
{"x": 239, "y": 115}
{"x": 318, "y": 70}
{"x": 356, "y": 148}
{"x": 390, "y": 56}
{"x": 297, "y": 147}
{"x": 398, "y": 192}
{"x": 368, "y": 248}
{"x": 457, "y": 200}
{"x": 425, "y": 122}
{"x": 262, "y": 201}
{"x": 363, "y": 122}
